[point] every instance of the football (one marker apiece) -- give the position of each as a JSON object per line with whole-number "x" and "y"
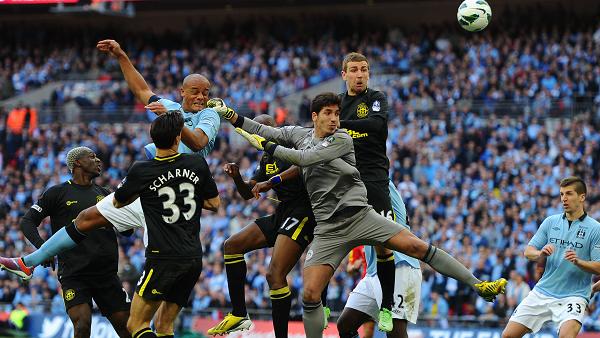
{"x": 474, "y": 15}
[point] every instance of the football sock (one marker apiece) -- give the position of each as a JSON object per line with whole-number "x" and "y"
{"x": 445, "y": 264}
{"x": 281, "y": 301}
{"x": 313, "y": 319}
{"x": 386, "y": 272}
{"x": 235, "y": 267}
{"x": 62, "y": 240}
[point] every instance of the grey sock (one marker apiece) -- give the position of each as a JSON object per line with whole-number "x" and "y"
{"x": 313, "y": 319}
{"x": 445, "y": 264}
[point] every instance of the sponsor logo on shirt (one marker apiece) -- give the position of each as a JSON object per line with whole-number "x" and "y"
{"x": 271, "y": 168}
{"x": 362, "y": 110}
{"x": 565, "y": 243}
{"x": 99, "y": 198}
{"x": 355, "y": 134}
{"x": 69, "y": 203}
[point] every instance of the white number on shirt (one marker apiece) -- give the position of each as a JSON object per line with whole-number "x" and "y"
{"x": 169, "y": 204}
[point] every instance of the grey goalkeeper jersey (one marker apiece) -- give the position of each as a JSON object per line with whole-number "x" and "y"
{"x": 328, "y": 166}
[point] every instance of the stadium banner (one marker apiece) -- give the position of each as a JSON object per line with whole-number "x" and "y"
{"x": 59, "y": 326}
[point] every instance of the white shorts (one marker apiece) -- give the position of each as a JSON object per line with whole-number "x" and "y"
{"x": 537, "y": 309}
{"x": 366, "y": 296}
{"x": 128, "y": 217}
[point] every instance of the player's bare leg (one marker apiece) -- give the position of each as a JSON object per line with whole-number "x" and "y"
{"x": 515, "y": 330}
{"x": 118, "y": 320}
{"x": 142, "y": 311}
{"x": 349, "y": 322}
{"x": 81, "y": 316}
{"x": 164, "y": 320}
{"x": 569, "y": 329}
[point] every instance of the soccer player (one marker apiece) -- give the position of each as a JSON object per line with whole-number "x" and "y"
{"x": 364, "y": 114}
{"x": 289, "y": 231}
{"x": 173, "y": 188}
{"x": 202, "y": 125}
{"x": 338, "y": 197}
{"x": 570, "y": 243}
{"x": 90, "y": 270}
{"x": 363, "y": 303}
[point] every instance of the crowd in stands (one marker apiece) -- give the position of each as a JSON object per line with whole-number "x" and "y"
{"x": 476, "y": 187}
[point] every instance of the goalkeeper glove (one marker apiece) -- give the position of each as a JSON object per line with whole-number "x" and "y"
{"x": 220, "y": 107}
{"x": 256, "y": 141}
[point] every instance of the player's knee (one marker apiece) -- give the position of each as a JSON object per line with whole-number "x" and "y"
{"x": 86, "y": 219}
{"x": 231, "y": 246}
{"x": 82, "y": 328}
{"x": 311, "y": 294}
{"x": 276, "y": 279}
{"x": 507, "y": 334}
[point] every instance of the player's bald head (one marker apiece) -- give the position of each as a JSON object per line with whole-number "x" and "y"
{"x": 195, "y": 80}
{"x": 265, "y": 119}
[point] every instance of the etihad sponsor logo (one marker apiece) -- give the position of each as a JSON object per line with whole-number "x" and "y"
{"x": 565, "y": 243}
{"x": 355, "y": 134}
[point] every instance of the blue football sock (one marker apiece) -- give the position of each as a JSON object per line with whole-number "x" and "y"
{"x": 59, "y": 242}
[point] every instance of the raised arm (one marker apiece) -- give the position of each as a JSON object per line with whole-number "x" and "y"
{"x": 243, "y": 188}
{"x": 134, "y": 79}
{"x": 278, "y": 135}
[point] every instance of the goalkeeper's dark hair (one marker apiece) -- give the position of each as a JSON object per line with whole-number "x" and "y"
{"x": 165, "y": 129}
{"x": 324, "y": 100}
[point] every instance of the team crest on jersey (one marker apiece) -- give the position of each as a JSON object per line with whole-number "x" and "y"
{"x": 376, "y": 106}
{"x": 188, "y": 121}
{"x": 99, "y": 198}
{"x": 271, "y": 168}
{"x": 69, "y": 295}
{"x": 362, "y": 110}
{"x": 581, "y": 233}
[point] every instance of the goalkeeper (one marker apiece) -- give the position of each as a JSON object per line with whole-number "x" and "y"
{"x": 339, "y": 201}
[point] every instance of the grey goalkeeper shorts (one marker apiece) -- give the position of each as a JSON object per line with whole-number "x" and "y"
{"x": 333, "y": 239}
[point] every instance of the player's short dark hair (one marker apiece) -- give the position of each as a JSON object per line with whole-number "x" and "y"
{"x": 577, "y": 182}
{"x": 324, "y": 100}
{"x": 353, "y": 57}
{"x": 165, "y": 129}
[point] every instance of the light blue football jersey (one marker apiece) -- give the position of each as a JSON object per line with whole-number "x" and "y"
{"x": 561, "y": 278}
{"x": 400, "y": 218}
{"x": 207, "y": 119}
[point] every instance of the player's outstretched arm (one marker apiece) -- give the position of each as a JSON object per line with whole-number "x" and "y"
{"x": 243, "y": 188}
{"x": 134, "y": 79}
{"x": 332, "y": 147}
{"x": 278, "y": 135}
{"x": 212, "y": 204}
